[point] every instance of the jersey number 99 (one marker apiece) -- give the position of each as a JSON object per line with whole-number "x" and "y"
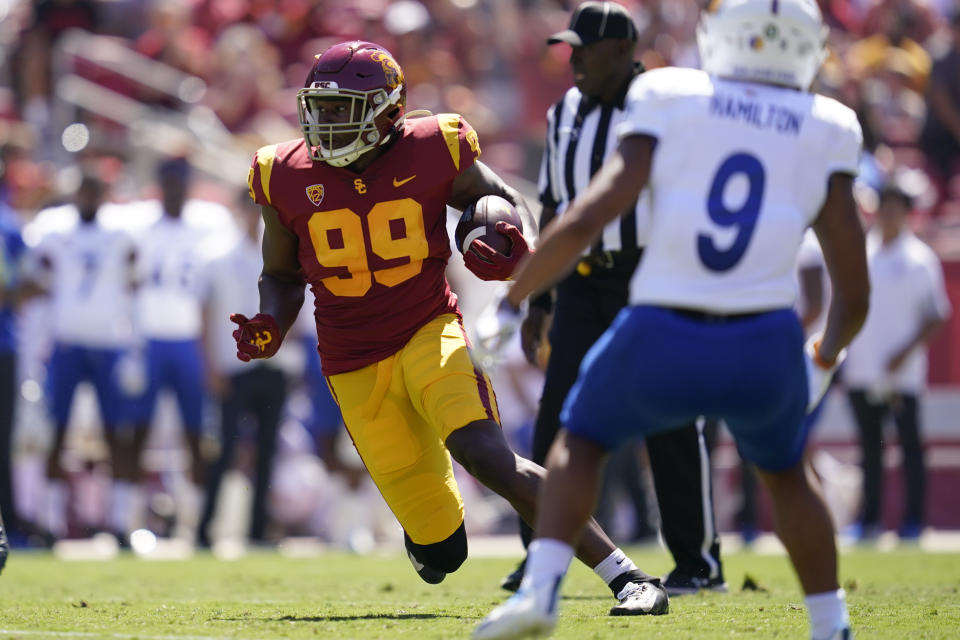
{"x": 350, "y": 253}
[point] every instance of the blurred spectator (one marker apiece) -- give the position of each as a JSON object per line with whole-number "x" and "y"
{"x": 50, "y": 20}
{"x": 173, "y": 39}
{"x": 899, "y": 19}
{"x": 886, "y": 369}
{"x": 940, "y": 137}
{"x": 256, "y": 389}
{"x": 245, "y": 77}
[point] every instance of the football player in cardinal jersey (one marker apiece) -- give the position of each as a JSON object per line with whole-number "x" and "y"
{"x": 357, "y": 210}
{"x": 740, "y": 158}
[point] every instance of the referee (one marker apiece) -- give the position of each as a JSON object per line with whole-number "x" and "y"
{"x": 581, "y": 132}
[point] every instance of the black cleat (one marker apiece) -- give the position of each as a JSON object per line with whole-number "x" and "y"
{"x": 511, "y": 582}
{"x": 427, "y": 574}
{"x": 679, "y": 584}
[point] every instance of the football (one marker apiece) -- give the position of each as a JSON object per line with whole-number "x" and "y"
{"x": 479, "y": 220}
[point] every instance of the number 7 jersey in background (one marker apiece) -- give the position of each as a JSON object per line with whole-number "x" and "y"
{"x": 373, "y": 245}
{"x": 740, "y": 171}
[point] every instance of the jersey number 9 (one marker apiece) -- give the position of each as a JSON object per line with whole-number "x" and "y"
{"x": 744, "y": 218}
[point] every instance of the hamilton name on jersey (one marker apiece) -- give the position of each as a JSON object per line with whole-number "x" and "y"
{"x": 757, "y": 113}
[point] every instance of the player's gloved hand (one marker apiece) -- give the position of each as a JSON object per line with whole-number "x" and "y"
{"x": 819, "y": 371}
{"x": 489, "y": 264}
{"x": 257, "y": 337}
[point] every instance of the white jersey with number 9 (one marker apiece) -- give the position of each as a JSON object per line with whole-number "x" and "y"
{"x": 740, "y": 170}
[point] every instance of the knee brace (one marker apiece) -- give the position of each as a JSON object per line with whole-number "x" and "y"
{"x": 446, "y": 555}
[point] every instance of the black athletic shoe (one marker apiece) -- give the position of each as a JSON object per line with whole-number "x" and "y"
{"x": 641, "y": 599}
{"x": 511, "y": 582}
{"x": 679, "y": 584}
{"x": 427, "y": 574}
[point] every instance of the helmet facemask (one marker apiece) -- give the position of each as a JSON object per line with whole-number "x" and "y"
{"x": 341, "y": 143}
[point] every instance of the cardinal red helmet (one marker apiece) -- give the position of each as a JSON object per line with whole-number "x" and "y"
{"x": 352, "y": 101}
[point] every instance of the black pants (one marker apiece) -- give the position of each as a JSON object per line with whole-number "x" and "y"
{"x": 870, "y": 414}
{"x": 623, "y": 471}
{"x": 262, "y": 392}
{"x": 586, "y": 307}
{"x": 8, "y": 394}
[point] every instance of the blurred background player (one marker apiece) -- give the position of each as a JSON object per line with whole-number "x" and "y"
{"x": 169, "y": 315}
{"x": 711, "y": 329}
{"x": 243, "y": 390}
{"x": 886, "y": 369}
{"x": 581, "y": 132}
{"x": 358, "y": 209}
{"x": 87, "y": 271}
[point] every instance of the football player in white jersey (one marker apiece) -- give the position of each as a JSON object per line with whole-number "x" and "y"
{"x": 171, "y": 257}
{"x": 740, "y": 159}
{"x": 86, "y": 270}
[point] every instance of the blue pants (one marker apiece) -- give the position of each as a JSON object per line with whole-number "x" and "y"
{"x": 656, "y": 369}
{"x": 72, "y": 364}
{"x": 178, "y": 365}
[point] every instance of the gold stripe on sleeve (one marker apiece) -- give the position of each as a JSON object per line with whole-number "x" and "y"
{"x": 450, "y": 128}
{"x": 265, "y": 157}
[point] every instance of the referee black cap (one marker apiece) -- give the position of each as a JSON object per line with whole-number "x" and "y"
{"x": 594, "y": 21}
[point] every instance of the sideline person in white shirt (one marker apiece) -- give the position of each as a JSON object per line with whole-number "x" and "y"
{"x": 257, "y": 388}
{"x": 886, "y": 368}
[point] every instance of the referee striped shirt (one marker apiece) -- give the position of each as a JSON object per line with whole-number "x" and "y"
{"x": 580, "y": 136}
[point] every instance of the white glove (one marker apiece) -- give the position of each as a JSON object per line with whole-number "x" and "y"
{"x": 818, "y": 376}
{"x": 495, "y": 327}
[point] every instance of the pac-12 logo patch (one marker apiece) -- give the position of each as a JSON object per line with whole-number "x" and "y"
{"x": 315, "y": 193}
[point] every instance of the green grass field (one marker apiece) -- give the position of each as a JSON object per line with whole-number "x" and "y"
{"x": 266, "y": 595}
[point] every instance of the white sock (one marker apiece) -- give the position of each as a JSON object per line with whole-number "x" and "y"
{"x": 188, "y": 500}
{"x": 828, "y": 613}
{"x": 547, "y": 559}
{"x": 121, "y": 504}
{"x": 615, "y": 564}
{"x": 53, "y": 516}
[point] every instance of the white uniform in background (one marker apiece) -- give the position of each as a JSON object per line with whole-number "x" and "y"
{"x": 90, "y": 284}
{"x": 172, "y": 254}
